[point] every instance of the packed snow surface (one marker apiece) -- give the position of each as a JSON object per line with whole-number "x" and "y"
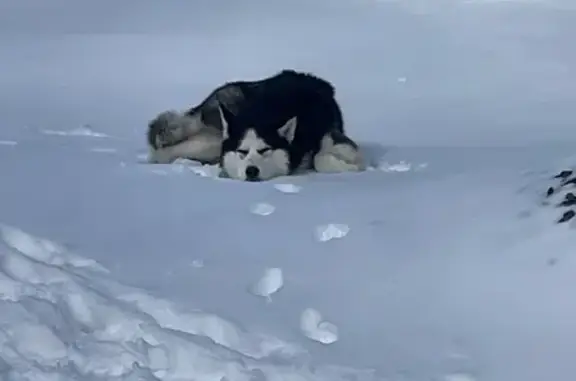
{"x": 443, "y": 262}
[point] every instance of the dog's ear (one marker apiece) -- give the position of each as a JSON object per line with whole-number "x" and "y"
{"x": 289, "y": 129}
{"x": 225, "y": 118}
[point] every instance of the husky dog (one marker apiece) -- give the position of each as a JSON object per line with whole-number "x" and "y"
{"x": 274, "y": 132}
{"x": 196, "y": 134}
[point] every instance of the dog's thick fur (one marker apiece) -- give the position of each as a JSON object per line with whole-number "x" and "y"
{"x": 296, "y": 117}
{"x": 303, "y": 104}
{"x": 196, "y": 134}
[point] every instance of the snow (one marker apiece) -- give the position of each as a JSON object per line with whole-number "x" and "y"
{"x": 316, "y": 329}
{"x": 271, "y": 281}
{"x": 444, "y": 261}
{"x": 288, "y": 188}
{"x": 331, "y": 231}
{"x": 263, "y": 209}
{"x": 81, "y": 131}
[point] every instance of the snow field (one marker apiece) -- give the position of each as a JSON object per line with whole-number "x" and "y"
{"x": 64, "y": 318}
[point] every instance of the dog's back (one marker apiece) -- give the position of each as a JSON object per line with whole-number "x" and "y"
{"x": 293, "y": 82}
{"x": 285, "y": 86}
{"x": 289, "y": 94}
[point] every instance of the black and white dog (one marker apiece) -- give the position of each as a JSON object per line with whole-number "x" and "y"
{"x": 265, "y": 128}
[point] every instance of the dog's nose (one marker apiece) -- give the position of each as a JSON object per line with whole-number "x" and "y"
{"x": 252, "y": 173}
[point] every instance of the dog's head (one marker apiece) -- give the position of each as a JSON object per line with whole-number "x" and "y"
{"x": 255, "y": 150}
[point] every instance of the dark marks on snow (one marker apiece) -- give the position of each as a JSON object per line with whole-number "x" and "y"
{"x": 563, "y": 194}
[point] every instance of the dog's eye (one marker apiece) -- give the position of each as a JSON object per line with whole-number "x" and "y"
{"x": 242, "y": 152}
{"x": 264, "y": 150}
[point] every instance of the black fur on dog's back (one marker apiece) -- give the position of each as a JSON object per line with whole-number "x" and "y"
{"x": 288, "y": 94}
{"x": 291, "y": 80}
{"x": 234, "y": 95}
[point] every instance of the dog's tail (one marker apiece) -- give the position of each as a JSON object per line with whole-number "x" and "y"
{"x": 154, "y": 128}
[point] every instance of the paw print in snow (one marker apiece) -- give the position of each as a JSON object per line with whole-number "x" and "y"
{"x": 269, "y": 283}
{"x": 288, "y": 188}
{"x": 315, "y": 328}
{"x": 263, "y": 209}
{"x": 329, "y": 232}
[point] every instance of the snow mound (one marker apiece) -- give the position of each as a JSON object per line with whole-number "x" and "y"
{"x": 185, "y": 165}
{"x": 86, "y": 131}
{"x": 64, "y": 318}
{"x": 315, "y": 328}
{"x": 401, "y": 166}
{"x": 325, "y": 233}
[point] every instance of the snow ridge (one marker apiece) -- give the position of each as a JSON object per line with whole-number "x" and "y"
{"x": 64, "y": 318}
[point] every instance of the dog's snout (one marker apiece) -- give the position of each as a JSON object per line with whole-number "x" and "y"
{"x": 252, "y": 173}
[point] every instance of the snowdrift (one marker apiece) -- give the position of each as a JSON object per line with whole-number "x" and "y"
{"x": 63, "y": 318}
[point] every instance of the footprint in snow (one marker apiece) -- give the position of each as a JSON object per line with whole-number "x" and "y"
{"x": 316, "y": 329}
{"x": 288, "y": 188}
{"x": 269, "y": 283}
{"x": 325, "y": 233}
{"x": 263, "y": 209}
